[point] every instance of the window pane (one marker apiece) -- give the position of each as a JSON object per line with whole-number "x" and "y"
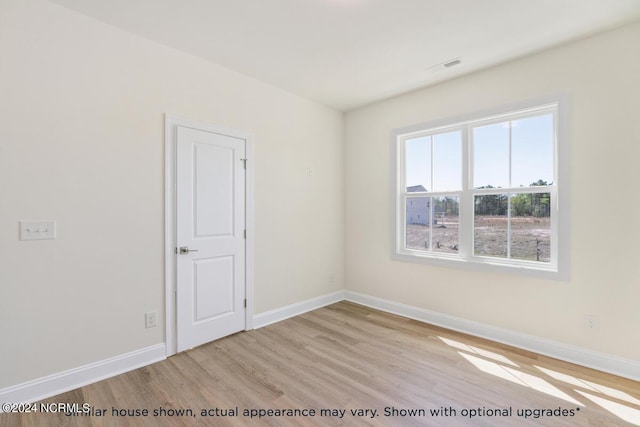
{"x": 491, "y": 156}
{"x": 445, "y": 224}
{"x": 532, "y": 151}
{"x": 490, "y": 225}
{"x": 418, "y": 164}
{"x": 531, "y": 226}
{"x": 447, "y": 161}
{"x": 418, "y": 212}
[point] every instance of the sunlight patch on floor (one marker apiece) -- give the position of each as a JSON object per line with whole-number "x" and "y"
{"x": 485, "y": 353}
{"x": 519, "y": 377}
{"x": 565, "y": 378}
{"x": 621, "y": 411}
{"x": 491, "y": 368}
{"x": 611, "y": 392}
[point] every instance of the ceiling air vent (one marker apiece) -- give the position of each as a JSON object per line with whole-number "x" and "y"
{"x": 452, "y": 63}
{"x": 444, "y": 65}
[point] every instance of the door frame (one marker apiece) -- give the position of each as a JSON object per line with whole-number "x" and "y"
{"x": 170, "y": 238}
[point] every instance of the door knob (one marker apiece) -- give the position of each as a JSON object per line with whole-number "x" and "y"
{"x": 186, "y": 250}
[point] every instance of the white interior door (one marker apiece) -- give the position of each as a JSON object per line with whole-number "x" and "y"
{"x": 210, "y": 233}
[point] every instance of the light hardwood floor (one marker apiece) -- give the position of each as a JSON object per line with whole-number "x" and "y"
{"x": 349, "y": 357}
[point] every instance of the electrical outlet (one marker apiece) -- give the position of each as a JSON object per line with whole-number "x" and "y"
{"x": 150, "y": 319}
{"x": 591, "y": 321}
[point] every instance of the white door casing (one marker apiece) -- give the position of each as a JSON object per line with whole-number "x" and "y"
{"x": 210, "y": 258}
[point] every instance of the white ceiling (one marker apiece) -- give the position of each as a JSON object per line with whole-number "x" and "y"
{"x": 348, "y": 53}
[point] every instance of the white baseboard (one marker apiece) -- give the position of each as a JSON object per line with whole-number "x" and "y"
{"x": 282, "y": 313}
{"x": 52, "y": 385}
{"x": 603, "y": 362}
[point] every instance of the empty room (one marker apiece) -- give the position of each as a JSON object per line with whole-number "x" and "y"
{"x": 319, "y": 212}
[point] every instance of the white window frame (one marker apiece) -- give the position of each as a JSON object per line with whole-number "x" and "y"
{"x": 558, "y": 268}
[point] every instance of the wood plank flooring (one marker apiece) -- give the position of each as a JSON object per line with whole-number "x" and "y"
{"x": 346, "y": 357}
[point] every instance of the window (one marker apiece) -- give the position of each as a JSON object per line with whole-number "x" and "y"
{"x": 484, "y": 191}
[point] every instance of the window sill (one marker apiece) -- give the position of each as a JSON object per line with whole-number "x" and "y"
{"x": 529, "y": 269}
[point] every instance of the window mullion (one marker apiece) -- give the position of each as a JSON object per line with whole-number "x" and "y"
{"x": 431, "y": 210}
{"x": 431, "y": 198}
{"x": 401, "y": 210}
{"x": 508, "y": 225}
{"x": 509, "y": 194}
{"x": 402, "y": 223}
{"x": 510, "y": 150}
{"x": 431, "y": 165}
{"x": 465, "y": 208}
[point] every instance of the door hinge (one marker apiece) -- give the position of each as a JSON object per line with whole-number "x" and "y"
{"x": 176, "y": 249}
{"x": 245, "y": 162}
{"x": 245, "y": 303}
{"x": 245, "y": 233}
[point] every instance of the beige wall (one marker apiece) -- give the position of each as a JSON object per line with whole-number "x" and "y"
{"x": 81, "y": 142}
{"x": 82, "y": 106}
{"x": 602, "y": 76}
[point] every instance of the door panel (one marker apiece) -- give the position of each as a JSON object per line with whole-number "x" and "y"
{"x": 210, "y": 215}
{"x": 214, "y": 209}
{"x": 213, "y": 288}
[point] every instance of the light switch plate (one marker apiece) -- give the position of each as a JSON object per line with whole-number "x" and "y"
{"x": 37, "y": 230}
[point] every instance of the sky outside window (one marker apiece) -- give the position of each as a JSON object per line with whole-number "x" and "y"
{"x": 447, "y": 161}
{"x": 491, "y": 155}
{"x": 532, "y": 145}
{"x": 532, "y": 151}
{"x": 418, "y": 162}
